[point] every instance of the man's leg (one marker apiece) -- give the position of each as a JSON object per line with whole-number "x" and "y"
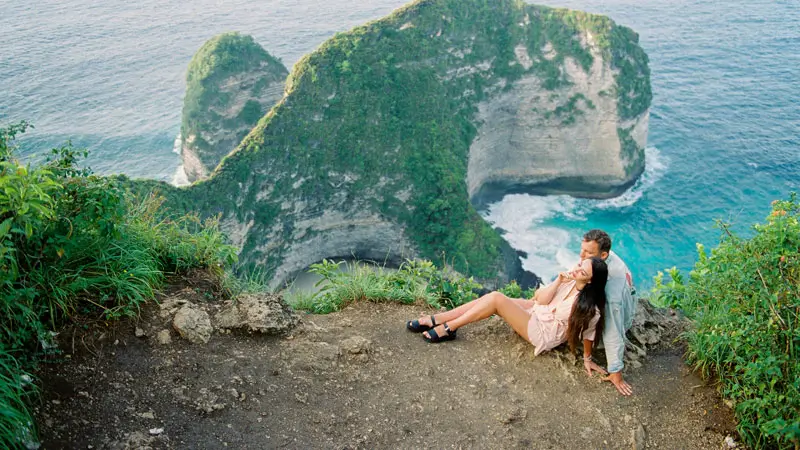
{"x": 614, "y": 343}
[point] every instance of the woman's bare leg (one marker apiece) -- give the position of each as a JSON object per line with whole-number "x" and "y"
{"x": 511, "y": 310}
{"x": 457, "y": 312}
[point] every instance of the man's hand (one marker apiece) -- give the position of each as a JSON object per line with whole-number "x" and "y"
{"x": 622, "y": 387}
{"x": 592, "y": 366}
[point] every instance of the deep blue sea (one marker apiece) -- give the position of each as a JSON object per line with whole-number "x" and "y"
{"x": 724, "y": 131}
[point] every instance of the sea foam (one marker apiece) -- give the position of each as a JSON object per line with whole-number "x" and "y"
{"x": 179, "y": 178}
{"x": 534, "y": 224}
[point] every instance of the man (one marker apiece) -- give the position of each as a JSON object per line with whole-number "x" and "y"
{"x": 620, "y": 307}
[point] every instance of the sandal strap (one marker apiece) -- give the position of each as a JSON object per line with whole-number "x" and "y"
{"x": 434, "y": 336}
{"x": 447, "y": 328}
{"x": 433, "y": 321}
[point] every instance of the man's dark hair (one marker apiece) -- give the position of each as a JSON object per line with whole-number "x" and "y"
{"x": 601, "y": 237}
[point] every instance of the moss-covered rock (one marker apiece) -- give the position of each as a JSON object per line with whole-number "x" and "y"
{"x": 231, "y": 83}
{"x": 389, "y": 134}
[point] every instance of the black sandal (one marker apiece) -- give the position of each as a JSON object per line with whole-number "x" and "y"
{"x": 417, "y": 327}
{"x": 435, "y": 338}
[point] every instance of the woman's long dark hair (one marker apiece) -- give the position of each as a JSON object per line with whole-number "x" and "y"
{"x": 592, "y": 296}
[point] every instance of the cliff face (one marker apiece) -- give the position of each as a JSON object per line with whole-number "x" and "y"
{"x": 231, "y": 83}
{"x": 386, "y": 133}
{"x": 569, "y": 140}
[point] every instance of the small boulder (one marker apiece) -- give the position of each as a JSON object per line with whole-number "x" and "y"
{"x": 356, "y": 345}
{"x": 263, "y": 313}
{"x": 193, "y": 324}
{"x": 163, "y": 337}
{"x": 170, "y": 306}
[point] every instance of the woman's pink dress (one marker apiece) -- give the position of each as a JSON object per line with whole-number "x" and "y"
{"x": 547, "y": 328}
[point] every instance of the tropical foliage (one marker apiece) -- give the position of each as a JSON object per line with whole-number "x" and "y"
{"x": 73, "y": 243}
{"x": 744, "y": 300}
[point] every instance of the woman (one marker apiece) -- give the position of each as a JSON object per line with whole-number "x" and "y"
{"x": 570, "y": 309}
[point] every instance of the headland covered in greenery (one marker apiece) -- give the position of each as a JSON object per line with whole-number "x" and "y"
{"x": 231, "y": 83}
{"x": 375, "y": 129}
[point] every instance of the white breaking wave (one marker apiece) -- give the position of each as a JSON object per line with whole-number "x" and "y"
{"x": 179, "y": 178}
{"x": 176, "y": 145}
{"x": 550, "y": 249}
{"x": 522, "y": 218}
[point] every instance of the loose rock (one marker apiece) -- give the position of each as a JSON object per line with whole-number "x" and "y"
{"x": 639, "y": 438}
{"x": 136, "y": 440}
{"x": 263, "y": 313}
{"x": 163, "y": 337}
{"x": 356, "y": 345}
{"x": 193, "y": 324}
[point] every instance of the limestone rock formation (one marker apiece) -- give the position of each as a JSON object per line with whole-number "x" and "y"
{"x": 574, "y": 139}
{"x": 231, "y": 83}
{"x": 389, "y": 136}
{"x": 263, "y": 313}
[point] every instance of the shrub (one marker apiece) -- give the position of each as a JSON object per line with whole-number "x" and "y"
{"x": 744, "y": 300}
{"x": 514, "y": 290}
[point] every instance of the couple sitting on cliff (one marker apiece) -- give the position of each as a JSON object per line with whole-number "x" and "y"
{"x": 594, "y": 298}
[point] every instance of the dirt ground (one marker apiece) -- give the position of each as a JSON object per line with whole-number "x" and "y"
{"x": 358, "y": 379}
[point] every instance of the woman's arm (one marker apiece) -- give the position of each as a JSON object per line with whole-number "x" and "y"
{"x": 588, "y": 362}
{"x": 545, "y": 295}
{"x": 587, "y": 349}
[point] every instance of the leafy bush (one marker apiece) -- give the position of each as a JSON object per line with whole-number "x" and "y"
{"x": 75, "y": 243}
{"x": 744, "y": 300}
{"x": 339, "y": 287}
{"x": 514, "y": 290}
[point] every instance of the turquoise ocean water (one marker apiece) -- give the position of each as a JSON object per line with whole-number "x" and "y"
{"x": 724, "y": 130}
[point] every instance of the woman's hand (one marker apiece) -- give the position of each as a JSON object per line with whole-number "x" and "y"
{"x": 592, "y": 366}
{"x": 564, "y": 277}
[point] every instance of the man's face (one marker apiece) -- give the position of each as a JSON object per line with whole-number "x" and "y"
{"x": 591, "y": 249}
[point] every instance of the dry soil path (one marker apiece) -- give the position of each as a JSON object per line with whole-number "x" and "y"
{"x": 358, "y": 379}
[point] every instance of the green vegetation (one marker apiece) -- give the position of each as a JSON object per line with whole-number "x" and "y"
{"x": 744, "y": 301}
{"x": 621, "y": 46}
{"x": 209, "y": 107}
{"x": 382, "y": 104}
{"x": 414, "y": 281}
{"x": 570, "y": 110}
{"x": 72, "y": 243}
